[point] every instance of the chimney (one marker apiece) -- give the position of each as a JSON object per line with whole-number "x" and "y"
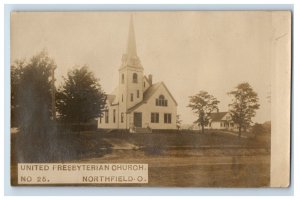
{"x": 150, "y": 78}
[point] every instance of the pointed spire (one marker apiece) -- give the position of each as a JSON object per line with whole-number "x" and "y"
{"x": 131, "y": 45}
{"x": 130, "y": 58}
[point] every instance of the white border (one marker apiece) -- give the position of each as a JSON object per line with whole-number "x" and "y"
{"x": 133, "y": 191}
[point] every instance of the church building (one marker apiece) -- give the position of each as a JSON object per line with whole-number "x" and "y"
{"x": 138, "y": 104}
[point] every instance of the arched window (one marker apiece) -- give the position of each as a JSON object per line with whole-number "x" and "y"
{"x": 134, "y": 78}
{"x": 161, "y": 101}
{"x": 123, "y": 78}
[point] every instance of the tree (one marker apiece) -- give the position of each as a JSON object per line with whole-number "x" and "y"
{"x": 80, "y": 98}
{"x": 203, "y": 104}
{"x": 31, "y": 93}
{"x": 244, "y": 105}
{"x": 15, "y": 76}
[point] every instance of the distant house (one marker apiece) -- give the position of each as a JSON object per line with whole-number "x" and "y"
{"x": 221, "y": 121}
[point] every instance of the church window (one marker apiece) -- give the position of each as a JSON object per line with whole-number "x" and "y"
{"x": 131, "y": 97}
{"x": 161, "y": 101}
{"x": 167, "y": 118}
{"x": 122, "y": 117}
{"x": 106, "y": 116}
{"x": 114, "y": 115}
{"x": 154, "y": 117}
{"x": 134, "y": 78}
{"x": 122, "y": 78}
{"x": 137, "y": 94}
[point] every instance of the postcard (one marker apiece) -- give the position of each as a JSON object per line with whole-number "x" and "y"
{"x": 151, "y": 99}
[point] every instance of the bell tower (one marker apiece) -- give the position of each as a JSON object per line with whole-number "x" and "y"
{"x": 131, "y": 74}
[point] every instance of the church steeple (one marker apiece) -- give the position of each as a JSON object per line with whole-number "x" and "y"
{"x": 130, "y": 58}
{"x": 131, "y": 45}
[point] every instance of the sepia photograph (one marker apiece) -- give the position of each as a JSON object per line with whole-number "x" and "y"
{"x": 150, "y": 99}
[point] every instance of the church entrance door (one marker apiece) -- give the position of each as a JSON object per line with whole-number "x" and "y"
{"x": 137, "y": 117}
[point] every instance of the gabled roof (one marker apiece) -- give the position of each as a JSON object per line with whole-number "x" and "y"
{"x": 218, "y": 116}
{"x": 169, "y": 93}
{"x": 148, "y": 93}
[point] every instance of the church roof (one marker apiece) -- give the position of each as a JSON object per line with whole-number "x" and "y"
{"x": 218, "y": 116}
{"x": 149, "y": 93}
{"x": 151, "y": 90}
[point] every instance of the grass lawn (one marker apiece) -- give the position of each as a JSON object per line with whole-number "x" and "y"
{"x": 66, "y": 147}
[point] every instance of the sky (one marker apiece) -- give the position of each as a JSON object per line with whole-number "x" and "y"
{"x": 188, "y": 51}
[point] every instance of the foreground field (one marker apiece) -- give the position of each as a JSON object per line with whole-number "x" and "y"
{"x": 191, "y": 168}
{"x": 205, "y": 160}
